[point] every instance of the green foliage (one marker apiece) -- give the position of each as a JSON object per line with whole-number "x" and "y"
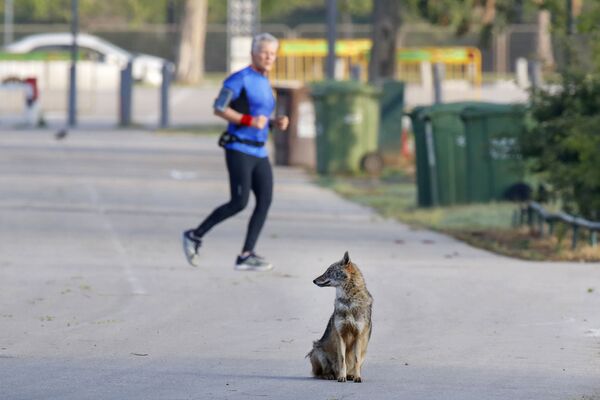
{"x": 59, "y": 11}
{"x": 563, "y": 142}
{"x": 275, "y": 8}
{"x": 134, "y": 12}
{"x": 447, "y": 12}
{"x": 453, "y": 13}
{"x": 588, "y": 24}
{"x": 217, "y": 11}
{"x": 310, "y": 11}
{"x": 356, "y": 7}
{"x": 463, "y": 15}
{"x": 41, "y": 11}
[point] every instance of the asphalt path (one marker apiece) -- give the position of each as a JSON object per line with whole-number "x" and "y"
{"x": 97, "y": 301}
{"x": 192, "y": 105}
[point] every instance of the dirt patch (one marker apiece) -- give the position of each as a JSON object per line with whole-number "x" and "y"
{"x": 523, "y": 244}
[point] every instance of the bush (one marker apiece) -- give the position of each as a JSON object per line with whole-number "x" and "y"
{"x": 563, "y": 142}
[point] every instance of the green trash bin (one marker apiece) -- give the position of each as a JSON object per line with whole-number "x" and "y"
{"x": 465, "y": 152}
{"x": 492, "y": 131}
{"x": 391, "y": 113}
{"x": 418, "y": 123}
{"x": 347, "y": 121}
{"x": 441, "y": 154}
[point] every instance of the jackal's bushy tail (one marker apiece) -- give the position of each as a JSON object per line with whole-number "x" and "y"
{"x": 321, "y": 366}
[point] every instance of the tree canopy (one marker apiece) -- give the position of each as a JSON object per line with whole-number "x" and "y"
{"x": 442, "y": 12}
{"x": 464, "y": 15}
{"x": 59, "y": 11}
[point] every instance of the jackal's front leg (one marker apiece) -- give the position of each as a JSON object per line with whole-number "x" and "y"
{"x": 341, "y": 360}
{"x": 350, "y": 362}
{"x": 360, "y": 350}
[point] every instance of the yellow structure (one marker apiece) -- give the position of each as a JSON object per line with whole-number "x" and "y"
{"x": 461, "y": 63}
{"x": 304, "y": 60}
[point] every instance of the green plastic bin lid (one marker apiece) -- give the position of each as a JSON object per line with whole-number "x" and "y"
{"x": 332, "y": 87}
{"x": 465, "y": 109}
{"x": 423, "y": 112}
{"x": 486, "y": 109}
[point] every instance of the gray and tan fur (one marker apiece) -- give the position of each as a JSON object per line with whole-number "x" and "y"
{"x": 340, "y": 353}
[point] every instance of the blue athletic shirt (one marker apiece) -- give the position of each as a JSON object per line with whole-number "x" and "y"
{"x": 252, "y": 94}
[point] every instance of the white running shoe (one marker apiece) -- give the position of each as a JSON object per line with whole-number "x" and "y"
{"x": 252, "y": 262}
{"x": 191, "y": 244}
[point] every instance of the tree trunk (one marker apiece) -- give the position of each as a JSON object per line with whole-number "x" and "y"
{"x": 190, "y": 63}
{"x": 544, "y": 40}
{"x": 489, "y": 14}
{"x": 386, "y": 22}
{"x": 577, "y": 7}
{"x": 518, "y": 11}
{"x": 346, "y": 20}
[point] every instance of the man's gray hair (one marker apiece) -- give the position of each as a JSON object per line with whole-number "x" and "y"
{"x": 261, "y": 38}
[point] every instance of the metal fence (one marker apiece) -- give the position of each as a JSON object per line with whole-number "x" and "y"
{"x": 497, "y": 57}
{"x": 544, "y": 222}
{"x": 160, "y": 40}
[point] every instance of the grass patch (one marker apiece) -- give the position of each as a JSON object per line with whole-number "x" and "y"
{"x": 487, "y": 226}
{"x": 521, "y": 243}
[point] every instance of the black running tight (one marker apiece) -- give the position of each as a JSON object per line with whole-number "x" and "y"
{"x": 245, "y": 173}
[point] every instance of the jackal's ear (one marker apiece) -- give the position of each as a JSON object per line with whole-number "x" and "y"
{"x": 346, "y": 258}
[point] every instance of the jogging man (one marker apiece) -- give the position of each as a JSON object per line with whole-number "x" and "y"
{"x": 246, "y": 101}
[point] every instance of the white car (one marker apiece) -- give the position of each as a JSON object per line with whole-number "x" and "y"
{"x": 146, "y": 68}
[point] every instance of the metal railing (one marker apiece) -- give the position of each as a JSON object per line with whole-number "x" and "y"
{"x": 536, "y": 217}
{"x": 508, "y": 45}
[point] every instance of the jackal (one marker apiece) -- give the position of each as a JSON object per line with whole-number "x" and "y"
{"x": 339, "y": 354}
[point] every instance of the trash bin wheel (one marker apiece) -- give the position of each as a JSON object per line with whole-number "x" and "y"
{"x": 372, "y": 163}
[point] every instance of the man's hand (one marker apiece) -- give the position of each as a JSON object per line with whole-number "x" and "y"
{"x": 259, "y": 121}
{"x": 282, "y": 122}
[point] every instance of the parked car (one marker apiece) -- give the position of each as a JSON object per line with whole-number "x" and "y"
{"x": 146, "y": 68}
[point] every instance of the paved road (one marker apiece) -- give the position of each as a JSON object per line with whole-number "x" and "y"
{"x": 97, "y": 302}
{"x": 190, "y": 106}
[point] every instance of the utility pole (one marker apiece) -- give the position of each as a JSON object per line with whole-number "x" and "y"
{"x": 331, "y": 36}
{"x": 73, "y": 70}
{"x": 170, "y": 19}
{"x": 518, "y": 10}
{"x": 570, "y": 18}
{"x": 8, "y": 21}
{"x": 439, "y": 72}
